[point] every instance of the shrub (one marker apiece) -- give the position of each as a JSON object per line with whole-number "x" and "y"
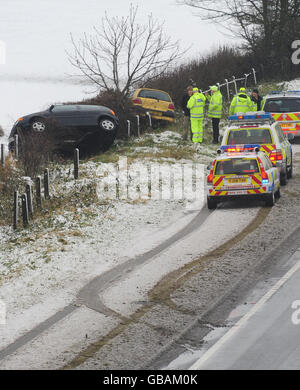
{"x": 35, "y": 150}
{"x": 9, "y": 182}
{"x": 123, "y": 109}
{"x": 207, "y": 70}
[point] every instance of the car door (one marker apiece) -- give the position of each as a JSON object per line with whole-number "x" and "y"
{"x": 88, "y": 118}
{"x": 272, "y": 172}
{"x": 66, "y": 118}
{"x": 284, "y": 144}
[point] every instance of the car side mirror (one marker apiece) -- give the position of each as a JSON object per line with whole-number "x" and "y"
{"x": 220, "y": 138}
{"x": 208, "y": 166}
{"x": 290, "y": 136}
{"x": 51, "y": 107}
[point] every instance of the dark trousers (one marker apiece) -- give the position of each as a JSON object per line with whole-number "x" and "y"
{"x": 186, "y": 128}
{"x": 215, "y": 126}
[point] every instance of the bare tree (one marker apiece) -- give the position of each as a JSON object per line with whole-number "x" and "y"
{"x": 123, "y": 53}
{"x": 264, "y": 24}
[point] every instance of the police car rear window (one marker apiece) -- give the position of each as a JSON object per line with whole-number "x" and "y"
{"x": 249, "y": 136}
{"x": 236, "y": 166}
{"x": 282, "y": 105}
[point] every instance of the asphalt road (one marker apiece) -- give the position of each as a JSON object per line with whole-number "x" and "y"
{"x": 267, "y": 337}
{"x": 255, "y": 325}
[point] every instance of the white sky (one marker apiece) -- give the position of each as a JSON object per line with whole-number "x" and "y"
{"x": 37, "y": 32}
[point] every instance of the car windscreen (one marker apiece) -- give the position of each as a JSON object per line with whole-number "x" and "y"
{"x": 282, "y": 105}
{"x": 158, "y": 95}
{"x": 249, "y": 136}
{"x": 237, "y": 166}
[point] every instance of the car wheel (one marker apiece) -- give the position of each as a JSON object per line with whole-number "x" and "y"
{"x": 277, "y": 193}
{"x": 270, "y": 200}
{"x": 290, "y": 171}
{"x": 107, "y": 124}
{"x": 283, "y": 177}
{"x": 38, "y": 125}
{"x": 211, "y": 203}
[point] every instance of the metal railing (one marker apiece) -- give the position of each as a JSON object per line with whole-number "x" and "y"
{"x": 234, "y": 81}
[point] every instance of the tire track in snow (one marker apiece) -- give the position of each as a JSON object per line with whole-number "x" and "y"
{"x": 89, "y": 294}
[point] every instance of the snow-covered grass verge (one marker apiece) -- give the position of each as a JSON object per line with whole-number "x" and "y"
{"x": 81, "y": 232}
{"x": 292, "y": 85}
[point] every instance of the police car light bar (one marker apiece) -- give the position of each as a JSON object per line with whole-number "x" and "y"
{"x": 261, "y": 115}
{"x": 240, "y": 148}
{"x": 283, "y": 92}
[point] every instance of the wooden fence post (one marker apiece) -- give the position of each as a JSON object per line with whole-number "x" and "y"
{"x": 25, "y": 210}
{"x": 29, "y": 199}
{"x": 149, "y": 181}
{"x": 2, "y": 155}
{"x": 46, "y": 184}
{"x": 16, "y": 209}
{"x": 138, "y": 125}
{"x": 76, "y": 163}
{"x": 38, "y": 191}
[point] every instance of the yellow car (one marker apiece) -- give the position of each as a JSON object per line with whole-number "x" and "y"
{"x": 260, "y": 128}
{"x": 155, "y": 102}
{"x": 242, "y": 171}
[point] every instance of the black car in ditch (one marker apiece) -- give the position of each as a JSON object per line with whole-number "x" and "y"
{"x": 63, "y": 127}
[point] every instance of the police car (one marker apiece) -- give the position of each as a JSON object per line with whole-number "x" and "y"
{"x": 285, "y": 109}
{"x": 260, "y": 128}
{"x": 241, "y": 171}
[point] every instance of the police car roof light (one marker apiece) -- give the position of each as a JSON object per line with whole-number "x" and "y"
{"x": 247, "y": 116}
{"x": 240, "y": 148}
{"x": 283, "y": 92}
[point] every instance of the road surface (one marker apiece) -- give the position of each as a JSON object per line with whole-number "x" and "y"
{"x": 267, "y": 337}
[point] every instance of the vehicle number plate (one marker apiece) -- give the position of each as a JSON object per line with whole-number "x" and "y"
{"x": 155, "y": 113}
{"x": 238, "y": 180}
{"x": 287, "y": 125}
{"x": 237, "y": 192}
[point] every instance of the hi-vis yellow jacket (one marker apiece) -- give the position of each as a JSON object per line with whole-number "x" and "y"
{"x": 240, "y": 103}
{"x": 196, "y": 105}
{"x": 215, "y": 105}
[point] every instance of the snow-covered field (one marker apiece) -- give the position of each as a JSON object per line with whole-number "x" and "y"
{"x": 19, "y": 97}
